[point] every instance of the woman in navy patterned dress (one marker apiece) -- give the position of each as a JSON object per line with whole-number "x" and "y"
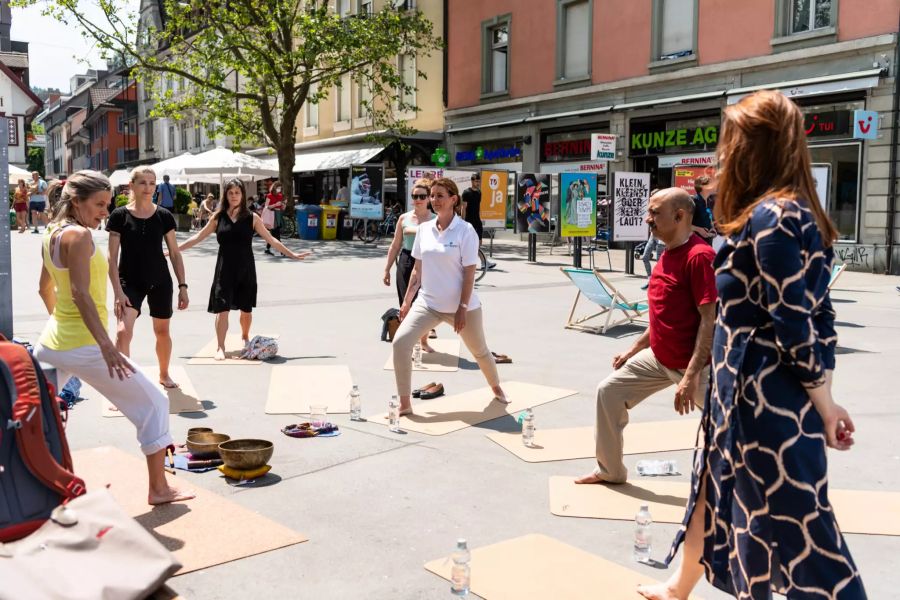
{"x": 758, "y": 520}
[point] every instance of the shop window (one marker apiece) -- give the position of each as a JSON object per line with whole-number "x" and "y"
{"x": 312, "y": 108}
{"x": 495, "y": 55}
{"x": 573, "y": 35}
{"x": 804, "y": 23}
{"x": 674, "y": 38}
{"x": 342, "y": 96}
{"x": 407, "y": 69}
{"x": 839, "y": 166}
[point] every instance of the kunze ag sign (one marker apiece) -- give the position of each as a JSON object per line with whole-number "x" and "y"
{"x": 659, "y": 141}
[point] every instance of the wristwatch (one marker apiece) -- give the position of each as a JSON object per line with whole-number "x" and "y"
{"x": 463, "y": 305}
{"x": 182, "y": 285}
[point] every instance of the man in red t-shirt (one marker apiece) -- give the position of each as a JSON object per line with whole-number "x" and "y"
{"x": 675, "y": 347}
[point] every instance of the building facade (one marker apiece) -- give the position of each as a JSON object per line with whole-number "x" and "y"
{"x": 529, "y": 81}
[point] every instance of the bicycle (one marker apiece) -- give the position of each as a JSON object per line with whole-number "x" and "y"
{"x": 288, "y": 225}
{"x": 372, "y": 231}
{"x": 482, "y": 268}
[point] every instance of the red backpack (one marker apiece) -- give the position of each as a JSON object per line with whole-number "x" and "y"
{"x": 35, "y": 465}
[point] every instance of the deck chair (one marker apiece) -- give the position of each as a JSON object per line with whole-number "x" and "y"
{"x": 601, "y": 292}
{"x": 836, "y": 271}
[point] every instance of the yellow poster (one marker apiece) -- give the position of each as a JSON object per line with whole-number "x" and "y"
{"x": 494, "y": 191}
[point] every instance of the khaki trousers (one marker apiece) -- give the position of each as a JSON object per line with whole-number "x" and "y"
{"x": 625, "y": 388}
{"x": 420, "y": 321}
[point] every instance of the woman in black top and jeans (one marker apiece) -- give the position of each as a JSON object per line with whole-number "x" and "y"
{"x": 139, "y": 229}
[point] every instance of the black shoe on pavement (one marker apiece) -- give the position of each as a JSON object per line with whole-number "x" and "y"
{"x": 491, "y": 265}
{"x": 269, "y": 252}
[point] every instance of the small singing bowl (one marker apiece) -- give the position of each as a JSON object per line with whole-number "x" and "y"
{"x": 206, "y": 443}
{"x": 246, "y": 455}
{"x": 196, "y": 430}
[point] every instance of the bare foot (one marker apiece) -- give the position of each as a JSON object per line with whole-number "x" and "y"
{"x": 170, "y": 494}
{"x": 592, "y": 478}
{"x": 220, "y": 354}
{"x": 658, "y": 591}
{"x": 167, "y": 382}
{"x": 425, "y": 347}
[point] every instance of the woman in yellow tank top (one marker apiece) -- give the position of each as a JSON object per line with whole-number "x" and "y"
{"x": 75, "y": 340}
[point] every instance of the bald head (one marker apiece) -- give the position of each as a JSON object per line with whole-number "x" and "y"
{"x": 669, "y": 215}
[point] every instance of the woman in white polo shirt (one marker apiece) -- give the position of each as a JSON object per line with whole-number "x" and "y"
{"x": 446, "y": 253}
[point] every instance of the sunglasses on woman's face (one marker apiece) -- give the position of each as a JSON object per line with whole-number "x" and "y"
{"x": 420, "y": 196}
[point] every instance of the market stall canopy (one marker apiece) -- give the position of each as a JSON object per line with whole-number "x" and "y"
{"x": 333, "y": 159}
{"x": 16, "y": 173}
{"x": 120, "y": 177}
{"x": 222, "y": 162}
{"x": 173, "y": 167}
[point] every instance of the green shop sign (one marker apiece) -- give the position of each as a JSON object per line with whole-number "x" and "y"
{"x": 655, "y": 141}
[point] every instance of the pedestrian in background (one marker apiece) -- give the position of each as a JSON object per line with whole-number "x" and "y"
{"x": 75, "y": 341}
{"x": 20, "y": 205}
{"x": 165, "y": 195}
{"x": 445, "y": 253}
{"x": 138, "y": 269}
{"x": 400, "y": 251}
{"x": 275, "y": 203}
{"x": 37, "y": 201}
{"x": 234, "y": 280}
{"x": 758, "y": 519}
{"x": 702, "y": 221}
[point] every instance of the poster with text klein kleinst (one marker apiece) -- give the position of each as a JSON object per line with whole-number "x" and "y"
{"x": 631, "y": 194}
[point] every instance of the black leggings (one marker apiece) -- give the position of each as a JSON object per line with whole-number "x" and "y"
{"x": 405, "y": 264}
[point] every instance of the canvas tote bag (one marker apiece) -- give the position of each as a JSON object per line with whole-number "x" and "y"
{"x": 104, "y": 553}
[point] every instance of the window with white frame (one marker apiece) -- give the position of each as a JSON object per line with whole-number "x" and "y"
{"x": 406, "y": 64}
{"x": 675, "y": 21}
{"x": 198, "y": 137}
{"x": 807, "y": 15}
{"x": 312, "y": 108}
{"x": 366, "y": 7}
{"x": 148, "y": 135}
{"x": 182, "y": 132}
{"x": 171, "y": 138}
{"x": 363, "y": 99}
{"x": 342, "y": 7}
{"x": 574, "y": 39}
{"x": 342, "y": 93}
{"x": 495, "y": 59}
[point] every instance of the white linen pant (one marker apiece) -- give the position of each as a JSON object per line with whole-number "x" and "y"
{"x": 420, "y": 321}
{"x": 136, "y": 397}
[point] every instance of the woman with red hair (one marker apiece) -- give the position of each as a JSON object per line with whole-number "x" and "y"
{"x": 758, "y": 520}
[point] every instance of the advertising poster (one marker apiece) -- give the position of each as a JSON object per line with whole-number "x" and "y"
{"x": 462, "y": 179}
{"x": 603, "y": 146}
{"x": 631, "y": 194}
{"x": 821, "y": 173}
{"x": 365, "y": 192}
{"x": 685, "y": 175}
{"x": 578, "y": 204}
{"x": 494, "y": 192}
{"x": 533, "y": 203}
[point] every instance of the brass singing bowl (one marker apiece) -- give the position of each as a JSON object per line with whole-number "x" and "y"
{"x": 196, "y": 430}
{"x": 246, "y": 455}
{"x": 206, "y": 442}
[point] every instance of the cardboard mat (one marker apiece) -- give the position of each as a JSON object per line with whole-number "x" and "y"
{"x": 578, "y": 442}
{"x": 233, "y": 348}
{"x": 451, "y": 413}
{"x": 445, "y": 357}
{"x": 667, "y": 500}
{"x": 538, "y": 567}
{"x": 181, "y": 399}
{"x": 292, "y": 389}
{"x": 208, "y": 530}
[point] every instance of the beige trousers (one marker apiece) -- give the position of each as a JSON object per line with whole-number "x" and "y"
{"x": 420, "y": 321}
{"x": 625, "y": 388}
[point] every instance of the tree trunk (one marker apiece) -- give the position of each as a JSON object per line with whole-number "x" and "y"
{"x": 285, "y": 152}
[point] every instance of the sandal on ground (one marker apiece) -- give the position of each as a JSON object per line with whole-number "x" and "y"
{"x": 430, "y": 393}
{"x": 501, "y": 399}
{"x": 416, "y": 393}
{"x": 501, "y": 359}
{"x": 432, "y": 335}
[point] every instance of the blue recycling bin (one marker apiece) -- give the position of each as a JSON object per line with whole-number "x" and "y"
{"x": 309, "y": 217}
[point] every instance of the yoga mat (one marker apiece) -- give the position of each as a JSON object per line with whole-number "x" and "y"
{"x": 233, "y": 348}
{"x": 292, "y": 389}
{"x": 451, "y": 413}
{"x": 208, "y": 530}
{"x": 538, "y": 567}
{"x": 667, "y": 499}
{"x": 445, "y": 357}
{"x": 578, "y": 442}
{"x": 181, "y": 399}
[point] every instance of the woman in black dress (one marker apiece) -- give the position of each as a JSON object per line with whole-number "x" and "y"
{"x": 139, "y": 229}
{"x": 234, "y": 282}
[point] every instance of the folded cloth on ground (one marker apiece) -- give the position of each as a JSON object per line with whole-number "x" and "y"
{"x": 242, "y": 474}
{"x": 306, "y": 430}
{"x": 186, "y": 462}
{"x": 260, "y": 348}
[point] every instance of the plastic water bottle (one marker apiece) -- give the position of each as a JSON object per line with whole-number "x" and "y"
{"x": 417, "y": 354}
{"x": 653, "y": 468}
{"x": 394, "y": 415}
{"x": 528, "y": 428}
{"x": 355, "y": 404}
{"x": 461, "y": 572}
{"x": 642, "y": 536}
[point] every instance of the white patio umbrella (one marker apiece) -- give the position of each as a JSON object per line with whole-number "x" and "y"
{"x": 120, "y": 177}
{"x": 174, "y": 168}
{"x": 222, "y": 162}
{"x": 17, "y": 173}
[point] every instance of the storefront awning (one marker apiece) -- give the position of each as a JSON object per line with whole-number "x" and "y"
{"x": 829, "y": 84}
{"x": 334, "y": 159}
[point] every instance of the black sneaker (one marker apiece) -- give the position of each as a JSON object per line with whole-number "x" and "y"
{"x": 35, "y": 230}
{"x": 269, "y": 252}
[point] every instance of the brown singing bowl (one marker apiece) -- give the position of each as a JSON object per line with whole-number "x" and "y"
{"x": 246, "y": 454}
{"x": 196, "y": 430}
{"x": 206, "y": 443}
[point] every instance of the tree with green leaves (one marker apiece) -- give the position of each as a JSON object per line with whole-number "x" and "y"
{"x": 251, "y": 65}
